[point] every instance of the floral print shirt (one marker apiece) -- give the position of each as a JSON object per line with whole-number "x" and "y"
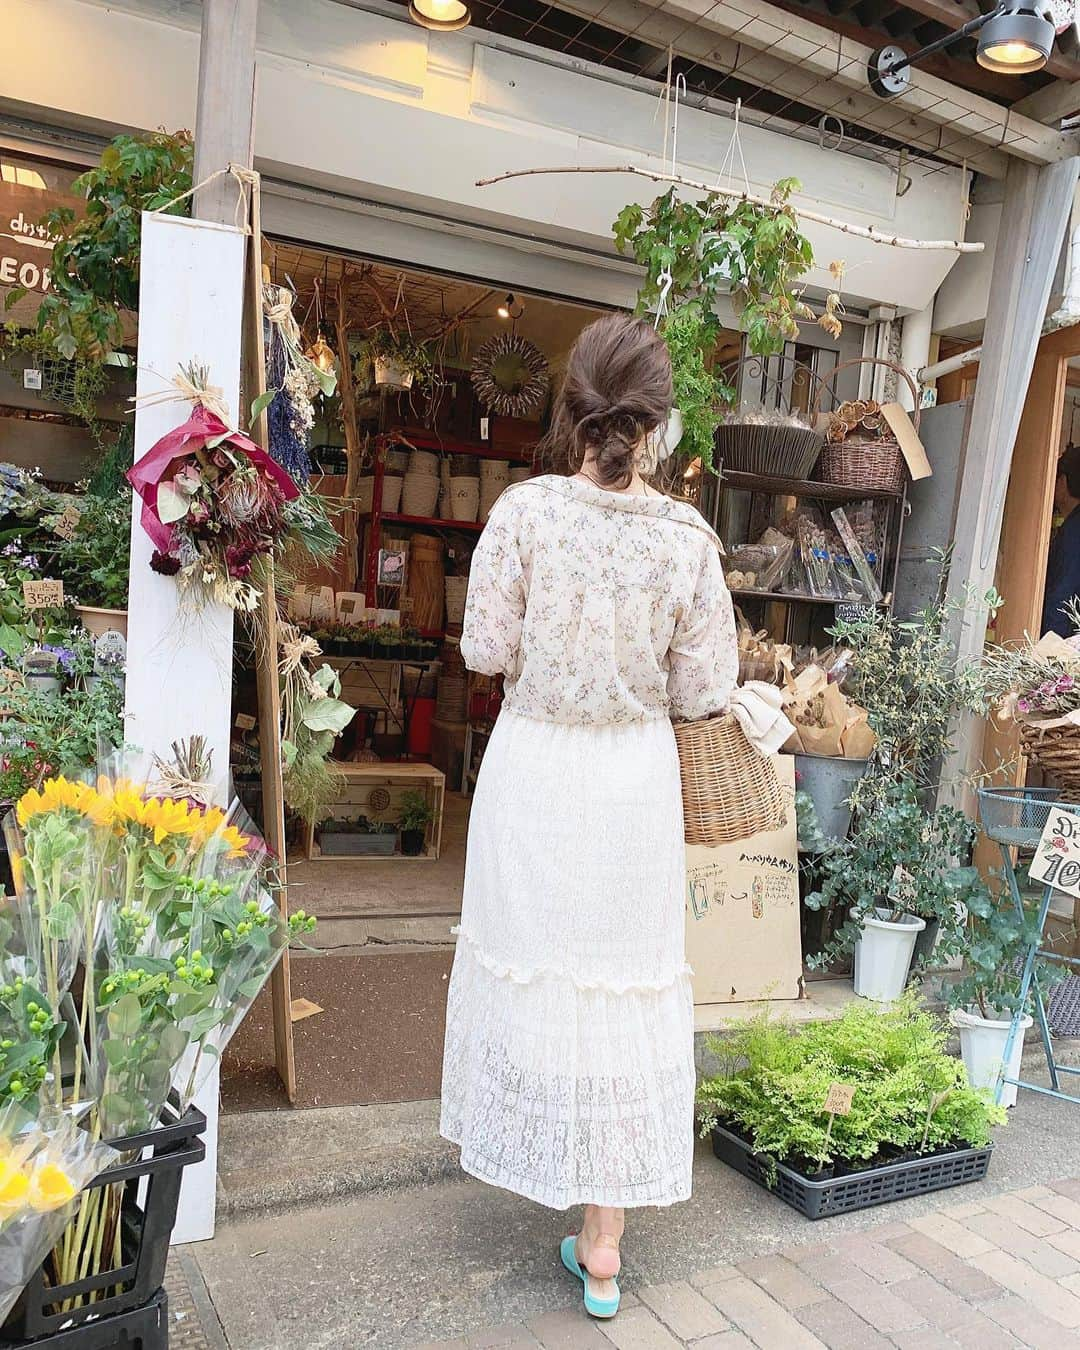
{"x": 600, "y": 607}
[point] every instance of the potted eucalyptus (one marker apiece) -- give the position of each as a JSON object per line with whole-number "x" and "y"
{"x": 986, "y": 996}
{"x": 416, "y": 816}
{"x": 903, "y": 872}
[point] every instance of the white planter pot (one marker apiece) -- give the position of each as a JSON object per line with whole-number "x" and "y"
{"x": 883, "y": 955}
{"x": 665, "y": 439}
{"x": 391, "y": 374}
{"x": 982, "y": 1048}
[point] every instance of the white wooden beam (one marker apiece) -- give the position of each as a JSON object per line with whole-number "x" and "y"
{"x": 1050, "y": 103}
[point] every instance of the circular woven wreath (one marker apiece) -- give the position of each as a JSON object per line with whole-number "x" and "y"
{"x": 510, "y": 375}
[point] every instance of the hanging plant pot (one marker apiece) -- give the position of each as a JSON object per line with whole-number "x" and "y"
{"x": 391, "y": 373}
{"x": 883, "y": 954}
{"x": 100, "y": 621}
{"x": 982, "y": 1048}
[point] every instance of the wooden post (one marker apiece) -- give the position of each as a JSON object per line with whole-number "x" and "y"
{"x": 353, "y": 451}
{"x": 225, "y": 115}
{"x": 268, "y": 683}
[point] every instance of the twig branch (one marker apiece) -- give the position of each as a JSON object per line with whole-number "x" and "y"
{"x": 844, "y": 226}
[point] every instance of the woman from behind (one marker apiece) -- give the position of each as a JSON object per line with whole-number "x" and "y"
{"x": 569, "y": 1070}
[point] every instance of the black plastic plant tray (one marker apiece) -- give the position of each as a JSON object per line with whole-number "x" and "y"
{"x": 855, "y": 1190}
{"x": 145, "y": 1328}
{"x": 158, "y": 1158}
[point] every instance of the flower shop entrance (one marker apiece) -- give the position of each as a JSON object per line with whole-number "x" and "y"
{"x": 418, "y": 448}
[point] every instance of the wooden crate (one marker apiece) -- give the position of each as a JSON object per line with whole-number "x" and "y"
{"x": 397, "y": 779}
{"x": 368, "y": 684}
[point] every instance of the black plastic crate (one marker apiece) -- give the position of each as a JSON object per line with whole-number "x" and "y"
{"x": 855, "y": 1190}
{"x": 145, "y": 1328}
{"x": 160, "y": 1158}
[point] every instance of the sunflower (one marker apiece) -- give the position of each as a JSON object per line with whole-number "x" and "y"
{"x": 56, "y": 794}
{"x": 167, "y": 817}
{"x": 238, "y": 843}
{"x": 14, "y": 1185}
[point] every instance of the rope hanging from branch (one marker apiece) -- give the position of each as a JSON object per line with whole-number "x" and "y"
{"x": 844, "y": 226}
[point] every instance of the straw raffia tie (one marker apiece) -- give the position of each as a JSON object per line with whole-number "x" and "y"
{"x": 280, "y": 311}
{"x": 248, "y": 180}
{"x": 185, "y": 386}
{"x": 297, "y": 649}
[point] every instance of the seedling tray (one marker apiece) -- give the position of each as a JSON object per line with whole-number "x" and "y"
{"x": 855, "y": 1190}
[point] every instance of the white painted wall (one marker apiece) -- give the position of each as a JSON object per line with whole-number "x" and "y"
{"x": 375, "y": 109}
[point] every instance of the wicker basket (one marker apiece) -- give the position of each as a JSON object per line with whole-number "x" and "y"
{"x": 1056, "y": 750}
{"x": 729, "y": 791}
{"x": 867, "y": 463}
{"x": 419, "y": 493}
{"x": 457, "y": 589}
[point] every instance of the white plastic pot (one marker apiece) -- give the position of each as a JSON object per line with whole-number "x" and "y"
{"x": 982, "y": 1048}
{"x": 391, "y": 374}
{"x": 883, "y": 955}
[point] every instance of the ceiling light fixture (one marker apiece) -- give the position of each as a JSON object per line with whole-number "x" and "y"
{"x": 511, "y": 308}
{"x": 444, "y": 16}
{"x": 1014, "y": 39}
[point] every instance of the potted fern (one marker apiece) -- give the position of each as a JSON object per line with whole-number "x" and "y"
{"x": 416, "y": 816}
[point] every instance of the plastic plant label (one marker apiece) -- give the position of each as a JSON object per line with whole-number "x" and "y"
{"x": 31, "y": 378}
{"x": 1057, "y": 858}
{"x": 838, "y": 1102}
{"x": 43, "y": 594}
{"x": 67, "y": 523}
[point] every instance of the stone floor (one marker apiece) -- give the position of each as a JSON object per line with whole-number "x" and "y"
{"x": 994, "y": 1264}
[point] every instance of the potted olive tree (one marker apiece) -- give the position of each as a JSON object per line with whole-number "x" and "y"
{"x": 902, "y": 872}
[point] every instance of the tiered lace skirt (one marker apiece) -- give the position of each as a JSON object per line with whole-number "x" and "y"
{"x": 568, "y": 1073}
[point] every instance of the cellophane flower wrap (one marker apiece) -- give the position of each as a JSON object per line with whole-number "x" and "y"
{"x": 44, "y": 1166}
{"x": 167, "y": 908}
{"x": 213, "y": 503}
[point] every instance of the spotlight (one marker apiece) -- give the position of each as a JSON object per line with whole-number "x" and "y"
{"x": 442, "y": 15}
{"x": 511, "y": 308}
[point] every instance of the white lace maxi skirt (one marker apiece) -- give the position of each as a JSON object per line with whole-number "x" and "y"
{"x": 568, "y": 1074}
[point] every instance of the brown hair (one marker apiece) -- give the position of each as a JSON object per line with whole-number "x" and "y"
{"x": 617, "y": 389}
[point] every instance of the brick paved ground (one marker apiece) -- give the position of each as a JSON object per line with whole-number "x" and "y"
{"x": 988, "y": 1274}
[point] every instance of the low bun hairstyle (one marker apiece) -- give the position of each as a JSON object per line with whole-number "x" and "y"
{"x": 617, "y": 389}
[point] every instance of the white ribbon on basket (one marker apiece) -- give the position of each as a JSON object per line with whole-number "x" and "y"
{"x": 757, "y": 707}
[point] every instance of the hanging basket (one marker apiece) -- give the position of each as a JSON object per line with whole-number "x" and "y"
{"x": 1056, "y": 750}
{"x": 868, "y": 458}
{"x": 780, "y": 439}
{"x": 729, "y": 791}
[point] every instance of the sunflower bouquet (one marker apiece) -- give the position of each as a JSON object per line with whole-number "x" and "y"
{"x": 166, "y": 908}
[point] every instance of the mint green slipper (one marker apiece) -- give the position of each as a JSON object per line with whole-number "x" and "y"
{"x": 594, "y": 1305}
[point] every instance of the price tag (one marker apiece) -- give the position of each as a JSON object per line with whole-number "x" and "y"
{"x": 1057, "y": 858}
{"x": 31, "y": 379}
{"x": 43, "y": 594}
{"x": 838, "y": 1102}
{"x": 67, "y": 523}
{"x": 245, "y": 722}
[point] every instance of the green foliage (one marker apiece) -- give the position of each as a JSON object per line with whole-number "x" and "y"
{"x": 993, "y": 940}
{"x": 94, "y": 563}
{"x": 910, "y": 1095}
{"x": 416, "y": 812}
{"x": 46, "y": 735}
{"x": 389, "y": 343}
{"x": 756, "y": 253}
{"x": 314, "y": 717}
{"x": 80, "y": 394}
{"x": 95, "y": 262}
{"x": 108, "y": 479}
{"x": 899, "y": 860}
{"x": 907, "y": 675}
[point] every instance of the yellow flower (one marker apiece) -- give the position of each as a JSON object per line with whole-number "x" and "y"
{"x": 14, "y": 1185}
{"x": 127, "y": 806}
{"x": 55, "y": 795}
{"x": 166, "y": 817}
{"x": 237, "y": 842}
{"x": 49, "y": 1188}
{"x": 89, "y": 803}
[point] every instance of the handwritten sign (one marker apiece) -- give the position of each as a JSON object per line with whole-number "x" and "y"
{"x": 838, "y": 1102}
{"x": 43, "y": 594}
{"x": 245, "y": 722}
{"x": 1057, "y": 858}
{"x": 67, "y": 523}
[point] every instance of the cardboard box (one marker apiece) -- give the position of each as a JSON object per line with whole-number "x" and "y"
{"x": 743, "y": 935}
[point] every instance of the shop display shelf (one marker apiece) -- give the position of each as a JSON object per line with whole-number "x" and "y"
{"x": 854, "y": 1190}
{"x": 799, "y": 487}
{"x": 432, "y": 522}
{"x": 800, "y": 597}
{"x": 447, "y": 445}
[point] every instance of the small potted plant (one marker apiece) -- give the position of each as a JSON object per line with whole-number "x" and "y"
{"x": 986, "y": 996}
{"x": 904, "y": 871}
{"x": 398, "y": 359}
{"x": 340, "y": 837}
{"x": 416, "y": 816}
{"x": 94, "y": 562}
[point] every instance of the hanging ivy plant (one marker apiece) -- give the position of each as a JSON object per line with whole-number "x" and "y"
{"x": 693, "y": 251}
{"x": 95, "y": 261}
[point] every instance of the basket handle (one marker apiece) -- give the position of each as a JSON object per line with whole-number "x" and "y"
{"x": 828, "y": 382}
